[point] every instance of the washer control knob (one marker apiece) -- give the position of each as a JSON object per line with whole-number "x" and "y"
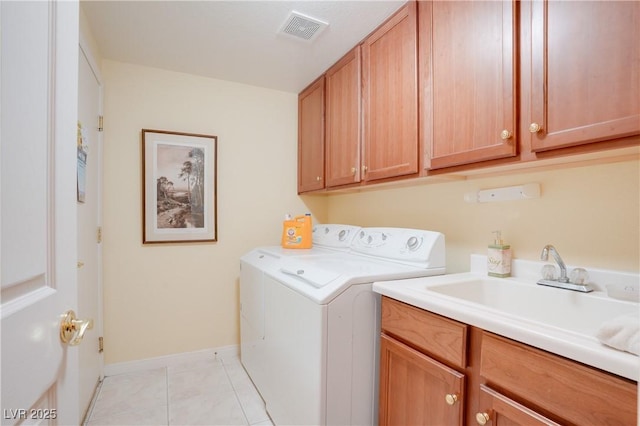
{"x": 342, "y": 235}
{"x": 413, "y": 243}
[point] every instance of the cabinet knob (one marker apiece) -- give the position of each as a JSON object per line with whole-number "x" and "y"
{"x": 318, "y": 178}
{"x": 482, "y": 418}
{"x": 364, "y": 168}
{"x": 535, "y": 127}
{"x": 505, "y": 134}
{"x": 451, "y": 398}
{"x": 353, "y": 170}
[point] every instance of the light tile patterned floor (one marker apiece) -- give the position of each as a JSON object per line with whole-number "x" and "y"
{"x": 211, "y": 392}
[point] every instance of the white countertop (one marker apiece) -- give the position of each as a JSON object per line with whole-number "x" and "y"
{"x": 583, "y": 347}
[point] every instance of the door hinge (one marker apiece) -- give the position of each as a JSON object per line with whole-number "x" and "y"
{"x": 100, "y": 123}
{"x": 99, "y": 234}
{"x": 100, "y": 344}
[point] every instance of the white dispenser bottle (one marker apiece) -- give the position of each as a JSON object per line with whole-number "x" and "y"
{"x": 499, "y": 257}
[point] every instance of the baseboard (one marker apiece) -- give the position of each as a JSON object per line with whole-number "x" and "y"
{"x": 225, "y": 352}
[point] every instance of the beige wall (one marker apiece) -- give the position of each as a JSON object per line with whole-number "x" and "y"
{"x": 172, "y": 298}
{"x": 591, "y": 214}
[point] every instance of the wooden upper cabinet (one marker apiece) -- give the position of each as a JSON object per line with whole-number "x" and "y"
{"x": 584, "y": 72}
{"x": 467, "y": 81}
{"x": 390, "y": 92}
{"x": 343, "y": 119}
{"x": 311, "y": 137}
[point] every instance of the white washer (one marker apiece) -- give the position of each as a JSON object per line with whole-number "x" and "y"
{"x": 310, "y": 322}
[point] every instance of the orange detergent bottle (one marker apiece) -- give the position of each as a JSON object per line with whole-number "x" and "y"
{"x": 296, "y": 232}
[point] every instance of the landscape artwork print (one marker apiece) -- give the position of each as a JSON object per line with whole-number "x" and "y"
{"x": 180, "y": 187}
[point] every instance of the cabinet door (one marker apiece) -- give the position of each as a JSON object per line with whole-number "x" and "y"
{"x": 343, "y": 113}
{"x": 415, "y": 389}
{"x": 467, "y": 84}
{"x": 311, "y": 137}
{"x": 554, "y": 384}
{"x": 585, "y": 72}
{"x": 498, "y": 410}
{"x": 390, "y": 97}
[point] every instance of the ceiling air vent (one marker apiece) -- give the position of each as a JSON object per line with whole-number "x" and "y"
{"x": 302, "y": 27}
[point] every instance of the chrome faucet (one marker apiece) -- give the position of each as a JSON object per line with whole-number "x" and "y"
{"x": 563, "y": 280}
{"x": 563, "y": 268}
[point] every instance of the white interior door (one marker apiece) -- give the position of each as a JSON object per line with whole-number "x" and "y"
{"x": 89, "y": 221}
{"x": 38, "y": 254}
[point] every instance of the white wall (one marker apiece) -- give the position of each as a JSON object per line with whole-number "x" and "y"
{"x": 171, "y": 298}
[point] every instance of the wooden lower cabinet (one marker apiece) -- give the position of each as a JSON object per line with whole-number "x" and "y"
{"x": 417, "y": 390}
{"x": 556, "y": 386}
{"x": 498, "y": 410}
{"x": 498, "y": 381}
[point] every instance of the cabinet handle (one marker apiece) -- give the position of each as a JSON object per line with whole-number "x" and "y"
{"x": 354, "y": 170}
{"x": 505, "y": 134}
{"x": 451, "y": 398}
{"x": 535, "y": 127}
{"x": 482, "y": 418}
{"x": 364, "y": 169}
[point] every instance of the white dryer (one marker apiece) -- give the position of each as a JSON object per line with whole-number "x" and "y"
{"x": 310, "y": 322}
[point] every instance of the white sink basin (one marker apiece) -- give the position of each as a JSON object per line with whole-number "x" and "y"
{"x": 565, "y": 309}
{"x": 560, "y": 321}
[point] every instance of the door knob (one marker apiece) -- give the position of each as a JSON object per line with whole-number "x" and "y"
{"x": 72, "y": 329}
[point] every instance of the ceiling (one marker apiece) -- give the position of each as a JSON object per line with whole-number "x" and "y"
{"x": 234, "y": 40}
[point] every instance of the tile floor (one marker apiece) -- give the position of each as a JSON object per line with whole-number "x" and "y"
{"x": 208, "y": 392}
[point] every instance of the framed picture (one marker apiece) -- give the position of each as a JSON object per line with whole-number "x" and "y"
{"x": 178, "y": 187}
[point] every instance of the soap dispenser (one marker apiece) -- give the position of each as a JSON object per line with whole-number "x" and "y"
{"x": 499, "y": 257}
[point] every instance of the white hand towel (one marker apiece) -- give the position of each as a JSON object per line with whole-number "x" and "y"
{"x": 622, "y": 333}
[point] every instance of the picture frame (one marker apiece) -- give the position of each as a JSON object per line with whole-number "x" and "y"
{"x": 179, "y": 187}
